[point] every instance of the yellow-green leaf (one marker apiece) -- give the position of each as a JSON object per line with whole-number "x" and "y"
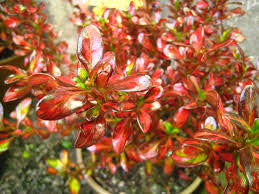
{"x": 74, "y": 185}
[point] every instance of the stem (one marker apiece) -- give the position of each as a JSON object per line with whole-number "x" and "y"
{"x": 100, "y": 190}
{"x": 192, "y": 186}
{"x": 9, "y": 59}
{"x": 89, "y": 180}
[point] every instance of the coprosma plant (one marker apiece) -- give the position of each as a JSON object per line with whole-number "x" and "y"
{"x": 174, "y": 91}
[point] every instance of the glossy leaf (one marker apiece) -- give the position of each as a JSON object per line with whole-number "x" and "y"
{"x": 169, "y": 128}
{"x": 62, "y": 102}
{"x": 22, "y": 109}
{"x": 4, "y": 144}
{"x": 11, "y": 22}
{"x": 237, "y": 120}
{"x": 214, "y": 136}
{"x": 188, "y": 156}
{"x": 121, "y": 134}
{"x": 144, "y": 121}
{"x": 104, "y": 145}
{"x": 148, "y": 150}
{"x": 153, "y": 94}
{"x": 210, "y": 123}
{"x": 90, "y": 47}
{"x": 134, "y": 83}
{"x": 197, "y": 39}
{"x": 246, "y": 106}
{"x": 181, "y": 117}
{"x": 90, "y": 133}
{"x": 1, "y": 116}
{"x": 16, "y": 92}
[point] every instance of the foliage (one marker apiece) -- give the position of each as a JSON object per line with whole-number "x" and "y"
{"x": 165, "y": 91}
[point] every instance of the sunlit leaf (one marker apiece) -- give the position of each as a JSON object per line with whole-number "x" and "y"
{"x": 210, "y": 123}
{"x": 121, "y": 134}
{"x": 134, "y": 83}
{"x": 22, "y": 109}
{"x": 90, "y": 132}
{"x": 11, "y": 22}
{"x": 197, "y": 39}
{"x": 153, "y": 94}
{"x": 246, "y": 106}
{"x": 16, "y": 92}
{"x": 237, "y": 120}
{"x": 214, "y": 136}
{"x": 62, "y": 102}
{"x": 90, "y": 46}
{"x": 1, "y": 116}
{"x": 144, "y": 121}
{"x": 4, "y": 144}
{"x": 181, "y": 117}
{"x": 189, "y": 156}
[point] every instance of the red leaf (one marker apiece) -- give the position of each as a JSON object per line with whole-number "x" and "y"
{"x": 121, "y": 134}
{"x": 132, "y": 154}
{"x": 144, "y": 121}
{"x": 246, "y": 106}
{"x": 189, "y": 156}
{"x": 153, "y": 94}
{"x": 168, "y": 165}
{"x": 172, "y": 52}
{"x": 106, "y": 69}
{"x": 16, "y": 92}
{"x": 19, "y": 40}
{"x": 197, "y": 39}
{"x": 134, "y": 83}
{"x": 214, "y": 136}
{"x": 62, "y": 102}
{"x": 90, "y": 132}
{"x": 104, "y": 145}
{"x": 222, "y": 45}
{"x": 148, "y": 150}
{"x": 90, "y": 47}
{"x": 123, "y": 162}
{"x": 22, "y": 109}
{"x": 202, "y": 4}
{"x": 211, "y": 188}
{"x": 14, "y": 69}
{"x": 181, "y": 117}
{"x": 11, "y": 22}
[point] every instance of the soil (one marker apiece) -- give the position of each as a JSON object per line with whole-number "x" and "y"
{"x": 23, "y": 170}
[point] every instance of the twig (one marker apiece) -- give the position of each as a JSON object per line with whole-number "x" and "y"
{"x": 9, "y": 59}
{"x": 192, "y": 186}
{"x": 89, "y": 180}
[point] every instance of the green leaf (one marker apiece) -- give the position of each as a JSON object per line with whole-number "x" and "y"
{"x": 81, "y": 85}
{"x": 169, "y": 128}
{"x": 202, "y": 95}
{"x": 255, "y": 142}
{"x": 66, "y": 144}
{"x": 256, "y": 126}
{"x": 224, "y": 35}
{"x": 55, "y": 163}
{"x": 4, "y": 144}
{"x": 26, "y": 154}
{"x": 77, "y": 80}
{"x": 82, "y": 73}
{"x": 74, "y": 185}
